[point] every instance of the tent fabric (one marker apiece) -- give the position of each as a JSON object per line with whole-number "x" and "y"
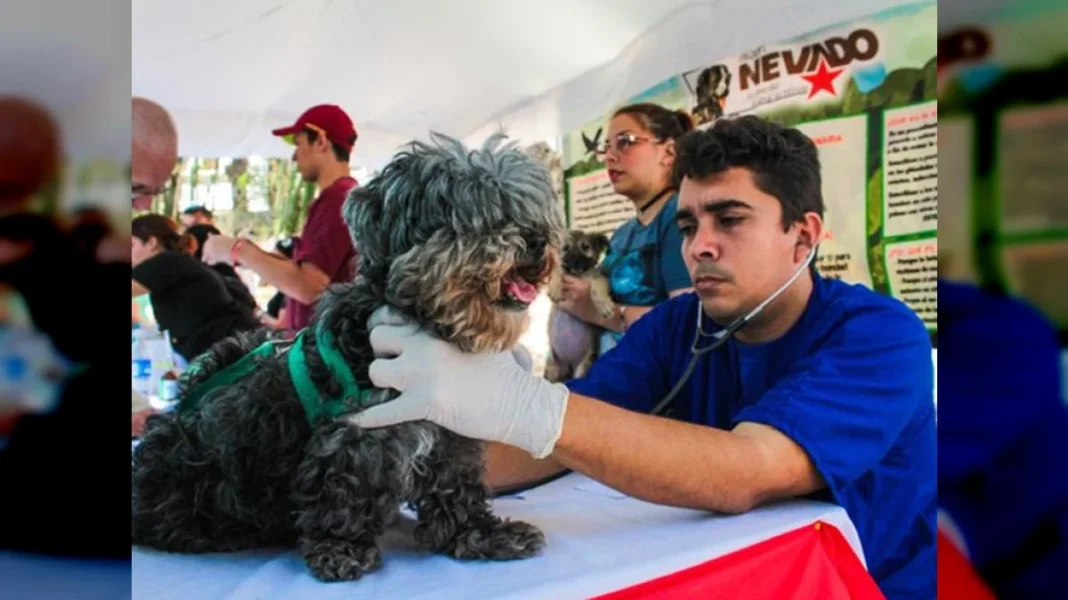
{"x": 231, "y": 71}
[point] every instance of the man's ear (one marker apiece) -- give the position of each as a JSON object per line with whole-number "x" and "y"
{"x": 809, "y": 233}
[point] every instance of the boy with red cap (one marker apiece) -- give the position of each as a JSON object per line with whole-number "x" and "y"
{"x": 324, "y": 137}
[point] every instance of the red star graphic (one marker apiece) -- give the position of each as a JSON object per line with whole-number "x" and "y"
{"x": 821, "y": 80}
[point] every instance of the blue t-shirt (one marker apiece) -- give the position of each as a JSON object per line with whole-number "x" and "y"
{"x": 852, "y": 383}
{"x": 644, "y": 262}
{"x": 1003, "y": 437}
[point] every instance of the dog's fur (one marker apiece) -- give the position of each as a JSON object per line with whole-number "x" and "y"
{"x": 438, "y": 233}
{"x": 713, "y": 86}
{"x": 573, "y": 343}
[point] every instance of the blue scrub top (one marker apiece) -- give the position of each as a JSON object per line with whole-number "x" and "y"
{"x": 852, "y": 383}
{"x": 1003, "y": 439}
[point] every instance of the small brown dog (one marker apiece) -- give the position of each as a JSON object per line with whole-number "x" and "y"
{"x": 573, "y": 342}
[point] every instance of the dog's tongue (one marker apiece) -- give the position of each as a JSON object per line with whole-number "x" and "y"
{"x": 521, "y": 289}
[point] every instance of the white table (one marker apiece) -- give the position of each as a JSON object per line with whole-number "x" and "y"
{"x": 598, "y": 541}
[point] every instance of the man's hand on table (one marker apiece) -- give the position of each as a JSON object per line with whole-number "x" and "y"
{"x": 488, "y": 396}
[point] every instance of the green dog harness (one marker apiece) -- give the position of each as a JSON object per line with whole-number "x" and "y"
{"x": 315, "y": 406}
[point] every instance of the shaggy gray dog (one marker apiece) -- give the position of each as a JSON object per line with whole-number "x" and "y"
{"x": 460, "y": 241}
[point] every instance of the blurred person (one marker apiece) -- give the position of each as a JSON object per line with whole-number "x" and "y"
{"x": 54, "y": 456}
{"x": 90, "y": 226}
{"x": 197, "y": 215}
{"x": 189, "y": 300}
{"x": 154, "y": 152}
{"x": 644, "y": 262}
{"x": 1003, "y": 438}
{"x": 198, "y": 234}
{"x": 324, "y": 137}
{"x": 29, "y": 152}
{"x": 827, "y": 392}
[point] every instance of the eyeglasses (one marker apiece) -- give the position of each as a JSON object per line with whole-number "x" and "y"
{"x": 140, "y": 190}
{"x": 621, "y": 142}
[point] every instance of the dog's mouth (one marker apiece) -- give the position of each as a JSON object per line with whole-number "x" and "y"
{"x": 521, "y": 285}
{"x": 517, "y": 291}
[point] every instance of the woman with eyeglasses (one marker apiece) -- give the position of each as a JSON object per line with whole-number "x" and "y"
{"x": 644, "y": 262}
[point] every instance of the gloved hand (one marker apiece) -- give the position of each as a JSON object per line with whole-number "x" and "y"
{"x": 486, "y": 396}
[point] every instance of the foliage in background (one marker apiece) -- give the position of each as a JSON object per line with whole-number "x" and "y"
{"x": 275, "y": 181}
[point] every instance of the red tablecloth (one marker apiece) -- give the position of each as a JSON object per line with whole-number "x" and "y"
{"x": 957, "y": 578}
{"x": 809, "y": 562}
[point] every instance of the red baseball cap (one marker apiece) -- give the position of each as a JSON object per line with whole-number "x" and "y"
{"x": 326, "y": 119}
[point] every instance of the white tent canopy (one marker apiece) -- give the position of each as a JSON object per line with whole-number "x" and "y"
{"x": 230, "y": 71}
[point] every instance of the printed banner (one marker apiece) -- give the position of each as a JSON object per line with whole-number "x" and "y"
{"x": 1003, "y": 95}
{"x": 865, "y": 92}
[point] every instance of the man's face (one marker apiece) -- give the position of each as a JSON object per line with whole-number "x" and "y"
{"x": 150, "y": 170}
{"x": 308, "y": 156}
{"x": 733, "y": 242}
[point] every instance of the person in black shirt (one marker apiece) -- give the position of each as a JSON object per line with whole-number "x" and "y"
{"x": 189, "y": 300}
{"x": 233, "y": 282}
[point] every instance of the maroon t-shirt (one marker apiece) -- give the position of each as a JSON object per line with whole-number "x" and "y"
{"x": 326, "y": 243}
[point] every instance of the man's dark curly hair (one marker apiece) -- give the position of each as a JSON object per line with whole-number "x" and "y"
{"x": 784, "y": 162}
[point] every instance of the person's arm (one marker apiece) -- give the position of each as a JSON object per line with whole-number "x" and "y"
{"x": 681, "y": 464}
{"x": 304, "y": 282}
{"x": 510, "y": 467}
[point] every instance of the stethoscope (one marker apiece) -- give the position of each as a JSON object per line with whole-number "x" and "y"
{"x": 721, "y": 337}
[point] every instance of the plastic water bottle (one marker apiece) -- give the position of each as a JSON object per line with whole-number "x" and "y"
{"x": 141, "y": 362}
{"x": 31, "y": 371}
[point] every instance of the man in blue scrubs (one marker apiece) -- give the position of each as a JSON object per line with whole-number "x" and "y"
{"x": 827, "y": 393}
{"x": 1003, "y": 439}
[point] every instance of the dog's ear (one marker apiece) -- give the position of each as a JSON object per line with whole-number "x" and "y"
{"x": 362, "y": 213}
{"x": 601, "y": 242}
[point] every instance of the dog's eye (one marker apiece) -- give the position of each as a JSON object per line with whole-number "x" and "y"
{"x": 585, "y": 247}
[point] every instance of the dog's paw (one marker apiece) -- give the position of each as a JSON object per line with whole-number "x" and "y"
{"x": 341, "y": 560}
{"x": 503, "y": 540}
{"x": 606, "y": 310}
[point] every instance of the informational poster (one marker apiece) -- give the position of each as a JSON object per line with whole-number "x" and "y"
{"x": 865, "y": 92}
{"x": 596, "y": 207}
{"x": 910, "y": 162}
{"x": 912, "y": 269}
{"x": 1003, "y": 103}
{"x": 1032, "y": 181}
{"x": 956, "y": 257}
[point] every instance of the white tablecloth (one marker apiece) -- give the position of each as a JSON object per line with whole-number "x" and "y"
{"x": 598, "y": 540}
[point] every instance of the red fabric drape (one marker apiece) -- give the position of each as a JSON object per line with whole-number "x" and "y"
{"x": 814, "y": 561}
{"x": 957, "y": 578}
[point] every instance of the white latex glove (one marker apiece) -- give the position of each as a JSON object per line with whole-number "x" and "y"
{"x": 486, "y": 396}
